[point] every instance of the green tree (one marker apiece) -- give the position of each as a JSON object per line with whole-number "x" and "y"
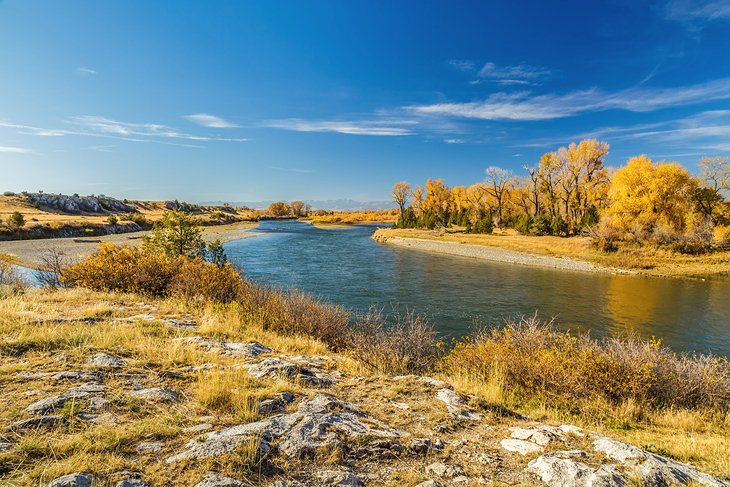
{"x": 177, "y": 233}
{"x": 216, "y": 254}
{"x": 16, "y": 220}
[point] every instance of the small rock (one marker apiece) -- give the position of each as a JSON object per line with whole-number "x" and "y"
{"x": 571, "y": 430}
{"x": 251, "y": 349}
{"x": 279, "y": 368}
{"x": 457, "y": 405}
{"x": 337, "y": 478}
{"x": 106, "y": 361}
{"x": 159, "y": 394}
{"x": 73, "y": 480}
{"x": 100, "y": 404}
{"x": 212, "y": 479}
{"x": 5, "y": 446}
{"x": 71, "y": 375}
{"x": 443, "y": 470}
{"x": 39, "y": 422}
{"x": 430, "y": 483}
{"x": 541, "y": 435}
{"x": 132, "y": 483}
{"x": 197, "y": 428}
{"x": 520, "y": 446}
{"x": 439, "y": 384}
{"x": 45, "y": 405}
{"x": 149, "y": 447}
{"x": 424, "y": 445}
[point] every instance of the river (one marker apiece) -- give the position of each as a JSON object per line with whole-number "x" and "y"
{"x": 345, "y": 266}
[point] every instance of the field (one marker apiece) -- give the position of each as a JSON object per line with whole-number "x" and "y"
{"x": 645, "y": 260}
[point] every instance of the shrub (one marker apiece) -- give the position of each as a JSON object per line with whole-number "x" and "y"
{"x": 483, "y": 225}
{"x": 567, "y": 369}
{"x": 53, "y": 263}
{"x": 112, "y": 220}
{"x": 407, "y": 346}
{"x": 137, "y": 218}
{"x": 11, "y": 281}
{"x": 197, "y": 279}
{"x": 16, "y": 220}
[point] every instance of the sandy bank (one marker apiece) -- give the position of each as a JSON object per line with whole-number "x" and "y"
{"x": 497, "y": 254}
{"x": 30, "y": 252}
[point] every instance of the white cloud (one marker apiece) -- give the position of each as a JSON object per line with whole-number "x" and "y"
{"x": 212, "y": 121}
{"x": 693, "y": 10}
{"x": 362, "y": 127}
{"x": 86, "y": 71}
{"x": 454, "y": 141}
{"x": 463, "y": 65}
{"x": 522, "y": 72}
{"x": 526, "y": 106}
{"x": 13, "y": 150}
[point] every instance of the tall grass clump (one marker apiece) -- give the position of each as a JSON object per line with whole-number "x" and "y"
{"x": 11, "y": 281}
{"x": 534, "y": 359}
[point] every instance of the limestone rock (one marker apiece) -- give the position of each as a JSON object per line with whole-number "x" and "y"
{"x": 651, "y": 468}
{"x": 457, "y": 406}
{"x": 73, "y": 480}
{"x": 562, "y": 469}
{"x": 212, "y": 479}
{"x": 542, "y": 435}
{"x": 159, "y": 394}
{"x": 520, "y": 446}
{"x": 149, "y": 447}
{"x": 45, "y": 405}
{"x": 424, "y": 445}
{"x": 339, "y": 478}
{"x": 280, "y": 368}
{"x": 106, "y": 361}
{"x": 100, "y": 404}
{"x": 443, "y": 470}
{"x": 50, "y": 421}
{"x": 276, "y": 403}
{"x": 132, "y": 483}
{"x": 319, "y": 422}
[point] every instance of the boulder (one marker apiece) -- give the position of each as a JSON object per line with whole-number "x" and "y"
{"x": 562, "y": 469}
{"x": 73, "y": 480}
{"x": 283, "y": 369}
{"x": 158, "y": 394}
{"x": 323, "y": 421}
{"x": 106, "y": 361}
{"x": 457, "y": 405}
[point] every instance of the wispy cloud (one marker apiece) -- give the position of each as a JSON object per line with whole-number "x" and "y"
{"x": 526, "y": 106}
{"x": 354, "y": 127}
{"x": 454, "y": 141}
{"x": 13, "y": 150}
{"x": 291, "y": 169}
{"x": 86, "y": 71}
{"x": 520, "y": 72}
{"x": 463, "y": 65}
{"x": 693, "y": 10}
{"x": 212, "y": 121}
{"x": 98, "y": 126}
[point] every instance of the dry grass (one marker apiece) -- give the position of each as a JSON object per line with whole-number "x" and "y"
{"x": 344, "y": 218}
{"x": 647, "y": 260}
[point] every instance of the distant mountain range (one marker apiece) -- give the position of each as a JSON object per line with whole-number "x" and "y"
{"x": 331, "y": 205}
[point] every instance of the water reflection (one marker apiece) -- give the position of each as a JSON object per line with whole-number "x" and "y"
{"x": 345, "y": 266}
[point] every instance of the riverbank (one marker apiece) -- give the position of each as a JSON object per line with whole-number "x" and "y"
{"x": 30, "y": 253}
{"x": 120, "y": 387}
{"x": 573, "y": 253}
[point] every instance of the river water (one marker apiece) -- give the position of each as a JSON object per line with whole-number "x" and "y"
{"x": 345, "y": 266}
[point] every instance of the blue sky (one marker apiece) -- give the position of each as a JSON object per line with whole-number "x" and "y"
{"x": 249, "y": 101}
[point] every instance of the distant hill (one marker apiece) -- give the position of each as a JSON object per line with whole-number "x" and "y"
{"x": 333, "y": 205}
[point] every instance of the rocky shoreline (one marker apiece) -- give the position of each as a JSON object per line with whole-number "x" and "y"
{"x": 495, "y": 254}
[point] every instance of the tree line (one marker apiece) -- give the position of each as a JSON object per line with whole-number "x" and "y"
{"x": 571, "y": 191}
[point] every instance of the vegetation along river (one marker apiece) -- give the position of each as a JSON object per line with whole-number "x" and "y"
{"x": 345, "y": 266}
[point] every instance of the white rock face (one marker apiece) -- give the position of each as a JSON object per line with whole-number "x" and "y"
{"x": 106, "y": 361}
{"x": 457, "y": 406}
{"x": 520, "y": 446}
{"x": 320, "y": 422}
{"x": 651, "y": 468}
{"x": 562, "y": 469}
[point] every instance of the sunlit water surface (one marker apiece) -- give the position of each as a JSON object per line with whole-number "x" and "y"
{"x": 345, "y": 266}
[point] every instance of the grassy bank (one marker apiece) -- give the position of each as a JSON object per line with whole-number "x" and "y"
{"x": 633, "y": 390}
{"x": 645, "y": 260}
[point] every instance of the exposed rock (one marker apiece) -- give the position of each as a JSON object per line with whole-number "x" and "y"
{"x": 149, "y": 447}
{"x": 249, "y": 349}
{"x": 132, "y": 483}
{"x": 159, "y": 394}
{"x": 106, "y": 361}
{"x": 180, "y": 324}
{"x": 197, "y": 428}
{"x": 569, "y": 429}
{"x": 80, "y": 204}
{"x": 279, "y": 368}
{"x": 319, "y": 422}
{"x": 73, "y": 480}
{"x": 520, "y": 446}
{"x": 212, "y": 479}
{"x": 651, "y": 468}
{"x": 424, "y": 445}
{"x": 339, "y": 478}
{"x": 541, "y": 435}
{"x": 48, "y": 404}
{"x": 434, "y": 382}
{"x": 430, "y": 483}
{"x": 443, "y": 470}
{"x": 99, "y": 404}
{"x": 39, "y": 422}
{"x": 5, "y": 446}
{"x": 457, "y": 405}
{"x": 276, "y": 403}
{"x": 562, "y": 469}
{"x": 88, "y": 376}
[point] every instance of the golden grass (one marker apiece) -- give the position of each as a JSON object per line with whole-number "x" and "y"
{"x": 644, "y": 260}
{"x": 345, "y": 218}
